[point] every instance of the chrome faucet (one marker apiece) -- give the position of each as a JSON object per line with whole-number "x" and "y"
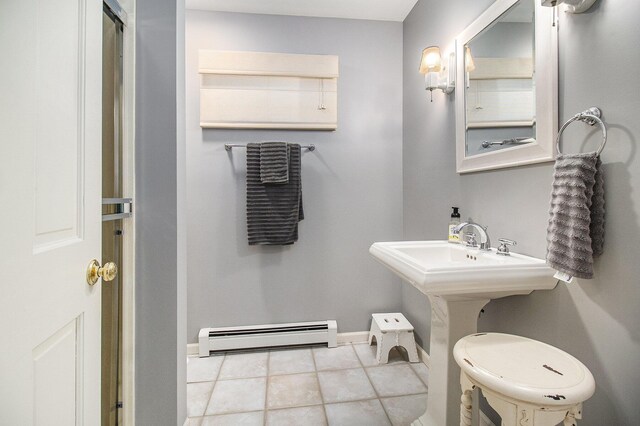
{"x": 485, "y": 241}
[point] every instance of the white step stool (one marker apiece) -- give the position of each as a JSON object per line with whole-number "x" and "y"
{"x": 527, "y": 382}
{"x": 391, "y": 330}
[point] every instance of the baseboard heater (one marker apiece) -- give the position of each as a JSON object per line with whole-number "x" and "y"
{"x": 267, "y": 335}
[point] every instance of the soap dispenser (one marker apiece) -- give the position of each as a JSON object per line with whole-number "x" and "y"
{"x": 455, "y": 221}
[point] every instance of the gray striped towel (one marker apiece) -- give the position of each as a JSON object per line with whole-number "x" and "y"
{"x": 575, "y": 234}
{"x": 273, "y": 210}
{"x": 274, "y": 162}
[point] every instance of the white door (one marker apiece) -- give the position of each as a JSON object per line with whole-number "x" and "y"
{"x": 50, "y": 140}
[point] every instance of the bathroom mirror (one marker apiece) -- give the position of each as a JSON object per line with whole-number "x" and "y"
{"x": 507, "y": 87}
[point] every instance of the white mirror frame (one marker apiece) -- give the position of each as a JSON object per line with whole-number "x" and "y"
{"x": 546, "y": 83}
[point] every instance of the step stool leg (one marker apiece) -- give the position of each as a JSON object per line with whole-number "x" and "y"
{"x": 408, "y": 342}
{"x": 384, "y": 346}
{"x": 374, "y": 331}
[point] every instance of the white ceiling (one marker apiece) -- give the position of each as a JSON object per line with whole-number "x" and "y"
{"x": 378, "y": 10}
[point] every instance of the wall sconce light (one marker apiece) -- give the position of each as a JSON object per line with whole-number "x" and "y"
{"x": 437, "y": 76}
{"x": 571, "y": 6}
{"x": 469, "y": 65}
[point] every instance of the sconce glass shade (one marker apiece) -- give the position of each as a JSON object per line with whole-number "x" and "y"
{"x": 469, "y": 65}
{"x": 431, "y": 60}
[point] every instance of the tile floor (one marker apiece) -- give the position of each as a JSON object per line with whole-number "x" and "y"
{"x": 340, "y": 386}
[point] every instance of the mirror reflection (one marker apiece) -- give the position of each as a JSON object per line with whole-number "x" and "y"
{"x": 500, "y": 89}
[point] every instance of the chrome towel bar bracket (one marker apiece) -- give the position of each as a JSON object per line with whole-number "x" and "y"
{"x": 590, "y": 116}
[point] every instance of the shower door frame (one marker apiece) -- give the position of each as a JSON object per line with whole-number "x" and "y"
{"x": 124, "y": 10}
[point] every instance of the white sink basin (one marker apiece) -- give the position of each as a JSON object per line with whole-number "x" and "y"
{"x": 458, "y": 281}
{"x": 453, "y": 270}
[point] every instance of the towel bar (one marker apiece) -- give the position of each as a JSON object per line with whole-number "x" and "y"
{"x": 230, "y": 146}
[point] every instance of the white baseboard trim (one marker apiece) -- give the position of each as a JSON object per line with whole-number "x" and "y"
{"x": 192, "y": 349}
{"x": 424, "y": 356}
{"x": 353, "y": 337}
{"x": 186, "y": 422}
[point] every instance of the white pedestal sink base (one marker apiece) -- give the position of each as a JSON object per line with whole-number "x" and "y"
{"x": 459, "y": 281}
{"x": 450, "y": 321}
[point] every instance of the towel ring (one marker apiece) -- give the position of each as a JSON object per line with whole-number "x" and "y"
{"x": 590, "y": 116}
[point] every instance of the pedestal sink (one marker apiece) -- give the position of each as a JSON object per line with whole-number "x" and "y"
{"x": 458, "y": 281}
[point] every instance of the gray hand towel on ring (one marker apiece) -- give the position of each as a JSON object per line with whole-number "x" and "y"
{"x": 575, "y": 234}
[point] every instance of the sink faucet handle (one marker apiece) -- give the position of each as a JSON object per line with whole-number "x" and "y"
{"x": 470, "y": 239}
{"x": 503, "y": 249}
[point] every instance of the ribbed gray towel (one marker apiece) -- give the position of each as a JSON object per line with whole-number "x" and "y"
{"x": 273, "y": 210}
{"x": 575, "y": 234}
{"x": 274, "y": 162}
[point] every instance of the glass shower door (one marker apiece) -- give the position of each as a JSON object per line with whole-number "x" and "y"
{"x": 115, "y": 210}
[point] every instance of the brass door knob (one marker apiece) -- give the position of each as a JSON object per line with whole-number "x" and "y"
{"x": 107, "y": 272}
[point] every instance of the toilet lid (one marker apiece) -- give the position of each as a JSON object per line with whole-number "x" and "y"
{"x": 524, "y": 369}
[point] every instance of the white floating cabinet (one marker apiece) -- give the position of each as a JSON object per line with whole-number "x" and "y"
{"x": 258, "y": 90}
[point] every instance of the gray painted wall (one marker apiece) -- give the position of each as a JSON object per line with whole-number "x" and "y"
{"x": 504, "y": 40}
{"x": 351, "y": 183}
{"x": 181, "y": 216}
{"x": 160, "y": 341}
{"x": 596, "y": 320}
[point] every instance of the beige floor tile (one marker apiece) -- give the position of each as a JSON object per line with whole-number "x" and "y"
{"x": 293, "y": 394}
{"x": 335, "y": 358}
{"x": 307, "y": 416}
{"x": 403, "y": 410}
{"x": 422, "y": 371}
{"x": 197, "y": 398}
{"x": 367, "y": 355}
{"x": 293, "y": 390}
{"x": 194, "y": 421}
{"x": 395, "y": 380}
{"x": 360, "y": 413}
{"x": 234, "y": 396}
{"x": 244, "y": 365}
{"x": 291, "y": 362}
{"x": 255, "y": 418}
{"x": 345, "y": 385}
{"x": 203, "y": 369}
